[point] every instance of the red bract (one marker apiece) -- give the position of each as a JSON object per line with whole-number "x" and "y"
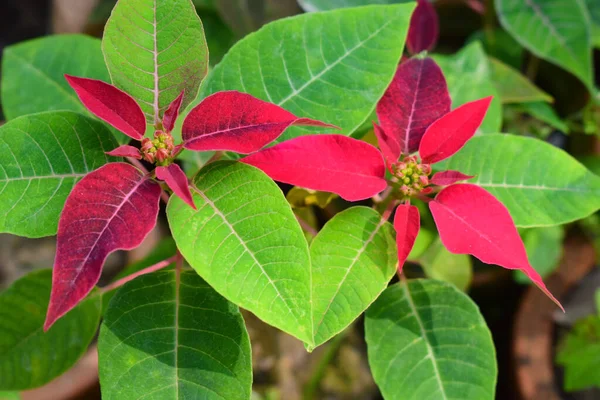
{"x": 334, "y": 163}
{"x": 472, "y": 221}
{"x": 446, "y": 178}
{"x": 234, "y": 121}
{"x": 417, "y": 97}
{"x": 111, "y": 105}
{"x": 112, "y": 208}
{"x": 172, "y": 113}
{"x": 177, "y": 181}
{"x": 468, "y": 217}
{"x": 449, "y": 134}
{"x": 424, "y": 28}
{"x": 125, "y": 151}
{"x": 407, "y": 223}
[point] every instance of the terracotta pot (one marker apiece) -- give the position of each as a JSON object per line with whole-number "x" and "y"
{"x": 534, "y": 328}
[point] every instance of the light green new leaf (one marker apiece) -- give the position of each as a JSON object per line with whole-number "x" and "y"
{"x": 513, "y": 87}
{"x": 169, "y": 335}
{"x": 42, "y": 156}
{"x": 427, "y": 340}
{"x": 469, "y": 78}
{"x": 353, "y": 259}
{"x": 33, "y": 73}
{"x": 540, "y": 184}
{"x": 438, "y": 263}
{"x": 246, "y": 243}
{"x": 556, "y": 30}
{"x": 29, "y": 357}
{"x": 154, "y": 49}
{"x": 544, "y": 249}
{"x": 331, "y": 66}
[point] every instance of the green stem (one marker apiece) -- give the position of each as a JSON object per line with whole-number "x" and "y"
{"x": 311, "y": 388}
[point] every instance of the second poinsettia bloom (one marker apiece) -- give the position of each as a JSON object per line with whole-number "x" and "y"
{"x": 417, "y": 131}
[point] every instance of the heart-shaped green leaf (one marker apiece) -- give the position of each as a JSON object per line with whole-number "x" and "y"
{"x": 540, "y": 184}
{"x": 42, "y": 156}
{"x": 556, "y": 30}
{"x": 469, "y": 78}
{"x": 246, "y": 243}
{"x": 353, "y": 259}
{"x": 331, "y": 66}
{"x": 427, "y": 339}
{"x": 154, "y": 50}
{"x": 33, "y": 73}
{"x": 169, "y": 335}
{"x": 29, "y": 357}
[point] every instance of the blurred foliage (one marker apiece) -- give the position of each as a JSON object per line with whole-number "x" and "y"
{"x": 544, "y": 249}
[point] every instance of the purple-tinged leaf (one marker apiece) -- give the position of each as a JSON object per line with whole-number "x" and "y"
{"x": 424, "y": 28}
{"x": 234, "y": 121}
{"x": 171, "y": 114}
{"x": 407, "y": 223}
{"x": 449, "y": 134}
{"x": 389, "y": 146}
{"x": 331, "y": 163}
{"x": 416, "y": 98}
{"x": 111, "y": 105}
{"x": 472, "y": 221}
{"x": 447, "y": 178}
{"x": 176, "y": 179}
{"x": 125, "y": 151}
{"x": 112, "y": 208}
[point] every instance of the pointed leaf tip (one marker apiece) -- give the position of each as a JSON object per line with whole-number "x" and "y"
{"x": 111, "y": 208}
{"x": 125, "y": 151}
{"x": 447, "y": 178}
{"x": 424, "y": 28}
{"x": 416, "y": 98}
{"x": 472, "y": 221}
{"x": 172, "y": 112}
{"x": 449, "y": 134}
{"x": 407, "y": 223}
{"x": 235, "y": 121}
{"x": 176, "y": 179}
{"x": 331, "y": 163}
{"x": 111, "y": 105}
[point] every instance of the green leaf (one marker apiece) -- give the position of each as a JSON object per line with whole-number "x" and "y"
{"x": 323, "y": 5}
{"x": 545, "y": 113}
{"x": 438, "y": 263}
{"x": 353, "y": 259}
{"x": 499, "y": 44}
{"x": 427, "y": 339}
{"x": 42, "y": 156}
{"x": 218, "y": 36}
{"x": 332, "y": 66}
{"x": 514, "y": 87}
{"x": 579, "y": 354}
{"x": 29, "y": 357}
{"x": 246, "y": 243}
{"x": 169, "y": 335}
{"x": 9, "y": 395}
{"x": 540, "y": 184}
{"x": 154, "y": 49}
{"x": 194, "y": 160}
{"x": 597, "y": 297}
{"x": 469, "y": 78}
{"x": 555, "y": 30}
{"x": 33, "y": 73}
{"x": 544, "y": 249}
{"x": 593, "y": 12}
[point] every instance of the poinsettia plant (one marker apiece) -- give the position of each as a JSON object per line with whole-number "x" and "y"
{"x": 287, "y": 104}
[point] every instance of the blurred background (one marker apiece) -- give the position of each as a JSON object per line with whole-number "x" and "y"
{"x": 527, "y": 331}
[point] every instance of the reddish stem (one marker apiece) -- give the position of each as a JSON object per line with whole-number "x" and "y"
{"x": 306, "y": 226}
{"x": 217, "y": 156}
{"x": 388, "y": 210}
{"x": 159, "y": 265}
